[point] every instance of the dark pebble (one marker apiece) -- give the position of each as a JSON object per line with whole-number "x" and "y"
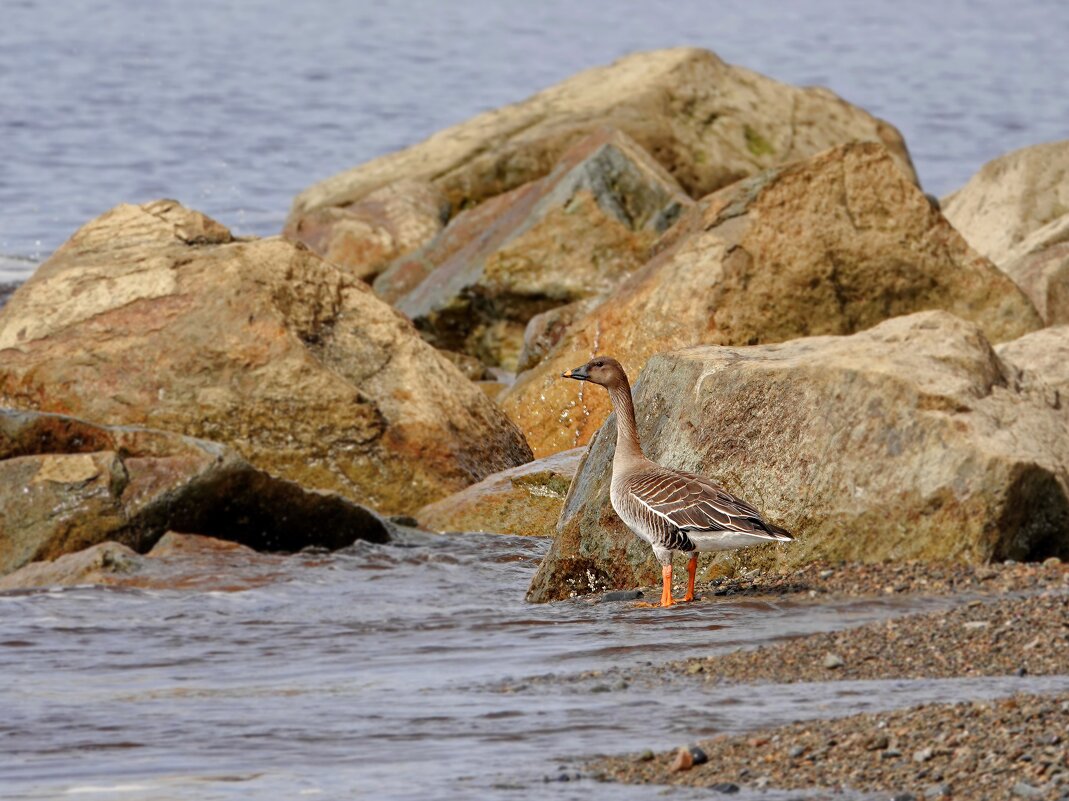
{"x": 904, "y": 797}
{"x": 725, "y": 787}
{"x": 621, "y": 595}
{"x": 700, "y": 757}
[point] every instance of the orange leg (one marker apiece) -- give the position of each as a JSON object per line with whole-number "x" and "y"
{"x": 666, "y": 589}
{"x": 692, "y": 570}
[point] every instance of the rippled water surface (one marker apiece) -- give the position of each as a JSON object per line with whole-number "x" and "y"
{"x": 233, "y": 107}
{"x": 393, "y": 672}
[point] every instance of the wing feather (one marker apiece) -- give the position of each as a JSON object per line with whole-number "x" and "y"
{"x": 693, "y": 503}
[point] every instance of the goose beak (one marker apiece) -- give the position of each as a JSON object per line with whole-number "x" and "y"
{"x": 579, "y": 374}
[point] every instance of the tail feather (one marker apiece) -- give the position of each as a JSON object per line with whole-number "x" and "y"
{"x": 779, "y": 533}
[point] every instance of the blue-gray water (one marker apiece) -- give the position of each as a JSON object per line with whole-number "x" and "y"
{"x": 387, "y": 672}
{"x": 233, "y": 106}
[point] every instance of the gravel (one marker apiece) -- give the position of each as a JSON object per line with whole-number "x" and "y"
{"x": 1022, "y": 636}
{"x": 918, "y": 578}
{"x": 991, "y": 750}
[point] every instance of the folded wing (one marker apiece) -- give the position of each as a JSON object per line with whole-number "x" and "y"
{"x": 694, "y": 503}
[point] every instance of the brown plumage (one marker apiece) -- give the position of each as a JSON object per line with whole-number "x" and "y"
{"x": 670, "y": 509}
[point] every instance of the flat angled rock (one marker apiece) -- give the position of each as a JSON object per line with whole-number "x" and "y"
{"x": 525, "y": 500}
{"x": 571, "y": 235}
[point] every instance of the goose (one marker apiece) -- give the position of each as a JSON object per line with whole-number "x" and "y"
{"x": 670, "y": 509}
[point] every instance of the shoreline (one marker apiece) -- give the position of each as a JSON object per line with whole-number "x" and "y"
{"x": 1013, "y": 621}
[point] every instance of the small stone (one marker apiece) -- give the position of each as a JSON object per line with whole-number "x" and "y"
{"x": 694, "y": 667}
{"x": 891, "y": 753}
{"x": 796, "y": 751}
{"x": 833, "y": 661}
{"x": 1026, "y": 790}
{"x": 826, "y": 574}
{"x": 904, "y": 797}
{"x": 646, "y": 756}
{"x": 621, "y": 595}
{"x": 698, "y": 755}
{"x": 923, "y": 755}
{"x": 725, "y": 787}
{"x": 600, "y": 688}
{"x": 976, "y": 625}
{"x": 937, "y": 791}
{"x": 684, "y": 761}
{"x": 877, "y": 743}
{"x": 1052, "y": 561}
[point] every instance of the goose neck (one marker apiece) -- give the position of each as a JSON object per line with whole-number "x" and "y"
{"x": 627, "y": 444}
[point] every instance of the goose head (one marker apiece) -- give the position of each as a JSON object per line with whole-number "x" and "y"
{"x": 603, "y": 370}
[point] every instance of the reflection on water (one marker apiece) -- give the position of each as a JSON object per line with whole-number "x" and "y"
{"x": 378, "y": 671}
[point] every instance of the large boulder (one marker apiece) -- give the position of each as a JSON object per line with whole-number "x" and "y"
{"x": 1011, "y": 197}
{"x": 66, "y": 484}
{"x": 571, "y": 235}
{"x": 155, "y": 315}
{"x": 706, "y": 122}
{"x": 1039, "y": 265}
{"x": 831, "y": 245}
{"x": 911, "y": 440}
{"x": 525, "y": 500}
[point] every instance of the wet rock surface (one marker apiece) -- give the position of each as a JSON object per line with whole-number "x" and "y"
{"x": 831, "y": 245}
{"x": 909, "y": 440}
{"x": 525, "y": 500}
{"x": 1009, "y": 748}
{"x": 177, "y": 562}
{"x": 66, "y": 485}
{"x": 155, "y": 315}
{"x": 706, "y": 122}
{"x": 571, "y": 235}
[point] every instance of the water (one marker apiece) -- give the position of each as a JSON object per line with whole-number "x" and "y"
{"x": 233, "y": 107}
{"x": 387, "y": 672}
